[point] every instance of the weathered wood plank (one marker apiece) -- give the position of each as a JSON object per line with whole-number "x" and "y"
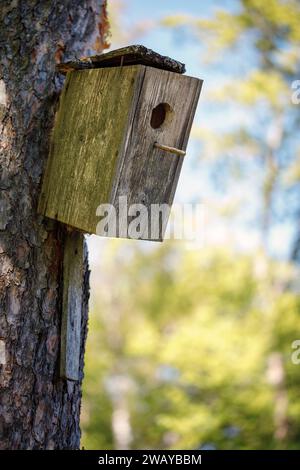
{"x": 72, "y": 306}
{"x": 129, "y": 55}
{"x": 89, "y": 129}
{"x": 147, "y": 174}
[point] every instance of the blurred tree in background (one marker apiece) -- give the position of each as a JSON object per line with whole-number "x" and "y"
{"x": 191, "y": 348}
{"x": 257, "y": 44}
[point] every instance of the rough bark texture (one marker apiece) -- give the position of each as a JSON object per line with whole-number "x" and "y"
{"x": 38, "y": 410}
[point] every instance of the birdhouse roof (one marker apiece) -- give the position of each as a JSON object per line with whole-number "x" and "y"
{"x": 130, "y": 55}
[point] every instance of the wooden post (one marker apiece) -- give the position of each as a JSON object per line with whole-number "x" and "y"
{"x": 72, "y": 306}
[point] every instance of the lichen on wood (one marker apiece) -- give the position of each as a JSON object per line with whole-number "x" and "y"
{"x": 130, "y": 55}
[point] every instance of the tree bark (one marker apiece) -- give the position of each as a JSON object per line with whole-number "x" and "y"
{"x": 38, "y": 410}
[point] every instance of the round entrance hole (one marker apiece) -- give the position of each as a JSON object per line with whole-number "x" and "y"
{"x": 159, "y": 115}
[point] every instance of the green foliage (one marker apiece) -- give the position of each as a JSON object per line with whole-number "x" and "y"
{"x": 192, "y": 331}
{"x": 257, "y": 45}
{"x": 192, "y": 348}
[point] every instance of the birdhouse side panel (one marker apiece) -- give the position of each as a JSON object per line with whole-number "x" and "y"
{"x": 88, "y": 135}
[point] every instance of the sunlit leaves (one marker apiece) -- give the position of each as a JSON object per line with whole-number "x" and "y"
{"x": 197, "y": 365}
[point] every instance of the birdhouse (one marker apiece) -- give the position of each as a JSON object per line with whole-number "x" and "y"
{"x": 118, "y": 143}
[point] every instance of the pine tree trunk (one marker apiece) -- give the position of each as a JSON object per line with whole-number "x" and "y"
{"x": 38, "y": 410}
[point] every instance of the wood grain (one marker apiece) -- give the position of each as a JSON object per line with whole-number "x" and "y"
{"x": 130, "y": 55}
{"x": 146, "y": 174}
{"x": 89, "y": 129}
{"x": 72, "y": 306}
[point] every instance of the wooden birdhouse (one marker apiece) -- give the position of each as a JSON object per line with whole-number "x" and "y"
{"x": 120, "y": 134}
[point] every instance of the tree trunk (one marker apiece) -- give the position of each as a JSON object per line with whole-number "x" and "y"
{"x": 38, "y": 410}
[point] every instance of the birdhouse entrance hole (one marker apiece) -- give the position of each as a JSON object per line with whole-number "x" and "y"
{"x": 160, "y": 114}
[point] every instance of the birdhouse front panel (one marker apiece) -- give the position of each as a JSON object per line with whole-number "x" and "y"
{"x": 163, "y": 116}
{"x": 120, "y": 134}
